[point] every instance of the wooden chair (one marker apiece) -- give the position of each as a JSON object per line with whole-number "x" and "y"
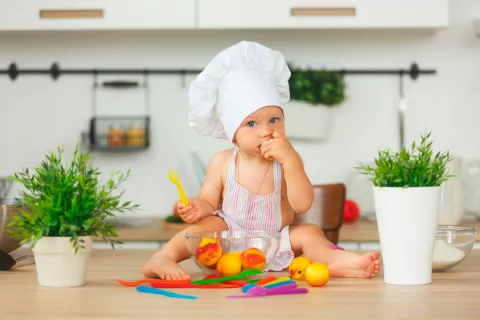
{"x": 327, "y": 209}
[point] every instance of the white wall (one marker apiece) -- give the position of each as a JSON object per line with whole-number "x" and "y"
{"x": 38, "y": 114}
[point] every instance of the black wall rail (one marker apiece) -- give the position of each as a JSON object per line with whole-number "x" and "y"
{"x": 414, "y": 71}
{"x": 13, "y": 72}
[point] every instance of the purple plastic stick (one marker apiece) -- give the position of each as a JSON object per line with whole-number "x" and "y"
{"x": 335, "y": 247}
{"x": 289, "y": 291}
{"x": 271, "y": 292}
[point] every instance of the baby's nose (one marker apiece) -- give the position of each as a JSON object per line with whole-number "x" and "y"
{"x": 267, "y": 133}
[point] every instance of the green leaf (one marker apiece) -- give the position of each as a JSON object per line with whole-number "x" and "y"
{"x": 317, "y": 86}
{"x": 415, "y": 167}
{"x": 67, "y": 201}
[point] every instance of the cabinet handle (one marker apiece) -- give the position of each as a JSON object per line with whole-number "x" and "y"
{"x": 120, "y": 84}
{"x": 71, "y": 14}
{"x": 322, "y": 12}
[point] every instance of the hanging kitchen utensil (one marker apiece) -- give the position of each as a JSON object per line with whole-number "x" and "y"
{"x": 109, "y": 133}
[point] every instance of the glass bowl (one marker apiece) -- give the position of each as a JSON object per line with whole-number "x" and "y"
{"x": 8, "y": 209}
{"x": 230, "y": 252}
{"x": 452, "y": 246}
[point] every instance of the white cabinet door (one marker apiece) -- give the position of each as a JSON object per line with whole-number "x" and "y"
{"x": 328, "y": 14}
{"x": 96, "y": 14}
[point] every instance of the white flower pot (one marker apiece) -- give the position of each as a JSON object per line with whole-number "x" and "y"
{"x": 306, "y": 121}
{"x": 58, "y": 265}
{"x": 407, "y": 223}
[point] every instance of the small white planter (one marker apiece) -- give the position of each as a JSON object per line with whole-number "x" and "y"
{"x": 58, "y": 265}
{"x": 305, "y": 121}
{"x": 407, "y": 223}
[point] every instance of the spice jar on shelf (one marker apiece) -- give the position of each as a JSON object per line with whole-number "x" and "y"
{"x": 136, "y": 136}
{"x": 116, "y": 137}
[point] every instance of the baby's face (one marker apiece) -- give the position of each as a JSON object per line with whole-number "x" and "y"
{"x": 259, "y": 127}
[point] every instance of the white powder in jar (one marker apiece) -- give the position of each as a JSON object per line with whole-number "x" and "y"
{"x": 445, "y": 254}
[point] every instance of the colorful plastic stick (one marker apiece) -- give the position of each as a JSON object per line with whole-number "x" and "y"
{"x": 281, "y": 279}
{"x": 333, "y": 246}
{"x": 198, "y": 286}
{"x": 166, "y": 293}
{"x": 241, "y": 275}
{"x": 143, "y": 281}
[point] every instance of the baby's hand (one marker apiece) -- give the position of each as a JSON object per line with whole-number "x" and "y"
{"x": 194, "y": 211}
{"x": 279, "y": 148}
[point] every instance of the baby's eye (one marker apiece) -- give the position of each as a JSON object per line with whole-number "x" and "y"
{"x": 251, "y": 123}
{"x": 274, "y": 120}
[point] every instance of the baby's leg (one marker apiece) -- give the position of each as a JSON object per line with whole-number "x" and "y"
{"x": 164, "y": 264}
{"x": 309, "y": 240}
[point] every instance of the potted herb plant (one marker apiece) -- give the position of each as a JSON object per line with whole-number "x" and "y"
{"x": 62, "y": 208}
{"x": 315, "y": 96}
{"x": 407, "y": 189}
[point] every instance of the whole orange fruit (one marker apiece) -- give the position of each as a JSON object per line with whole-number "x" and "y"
{"x": 297, "y": 267}
{"x": 230, "y": 264}
{"x": 316, "y": 274}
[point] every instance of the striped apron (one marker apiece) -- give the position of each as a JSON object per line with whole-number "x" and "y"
{"x": 242, "y": 210}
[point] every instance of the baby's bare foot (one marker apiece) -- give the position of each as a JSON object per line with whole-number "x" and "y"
{"x": 161, "y": 266}
{"x": 352, "y": 265}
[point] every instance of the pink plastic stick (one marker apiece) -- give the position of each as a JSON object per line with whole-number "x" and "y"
{"x": 335, "y": 247}
{"x": 289, "y": 291}
{"x": 272, "y": 290}
{"x": 271, "y": 293}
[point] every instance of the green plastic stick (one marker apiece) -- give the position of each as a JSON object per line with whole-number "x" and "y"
{"x": 253, "y": 280}
{"x": 241, "y": 275}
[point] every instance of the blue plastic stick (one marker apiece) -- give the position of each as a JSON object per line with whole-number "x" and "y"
{"x": 247, "y": 287}
{"x": 278, "y": 284}
{"x": 164, "y": 292}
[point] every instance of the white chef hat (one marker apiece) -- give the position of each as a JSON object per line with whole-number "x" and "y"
{"x": 238, "y": 81}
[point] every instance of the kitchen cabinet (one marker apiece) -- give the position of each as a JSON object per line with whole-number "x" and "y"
{"x": 96, "y": 15}
{"x": 322, "y": 14}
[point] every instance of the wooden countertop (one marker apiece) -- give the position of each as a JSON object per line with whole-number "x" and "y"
{"x": 157, "y": 230}
{"x": 451, "y": 295}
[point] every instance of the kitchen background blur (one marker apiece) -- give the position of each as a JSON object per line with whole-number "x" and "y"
{"x": 40, "y": 113}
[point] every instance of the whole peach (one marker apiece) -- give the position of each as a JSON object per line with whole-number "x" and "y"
{"x": 297, "y": 267}
{"x": 208, "y": 251}
{"x": 253, "y": 258}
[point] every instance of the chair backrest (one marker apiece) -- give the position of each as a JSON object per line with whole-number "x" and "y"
{"x": 327, "y": 209}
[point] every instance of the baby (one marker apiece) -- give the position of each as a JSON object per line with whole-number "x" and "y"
{"x": 260, "y": 184}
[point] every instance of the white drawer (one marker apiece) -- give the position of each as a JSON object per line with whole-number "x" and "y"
{"x": 330, "y": 14}
{"x": 96, "y": 14}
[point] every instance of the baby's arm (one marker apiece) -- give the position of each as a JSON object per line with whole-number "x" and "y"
{"x": 299, "y": 188}
{"x": 208, "y": 199}
{"x": 211, "y": 191}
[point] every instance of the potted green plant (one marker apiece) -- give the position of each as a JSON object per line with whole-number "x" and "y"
{"x": 62, "y": 208}
{"x": 315, "y": 96}
{"x": 407, "y": 191}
